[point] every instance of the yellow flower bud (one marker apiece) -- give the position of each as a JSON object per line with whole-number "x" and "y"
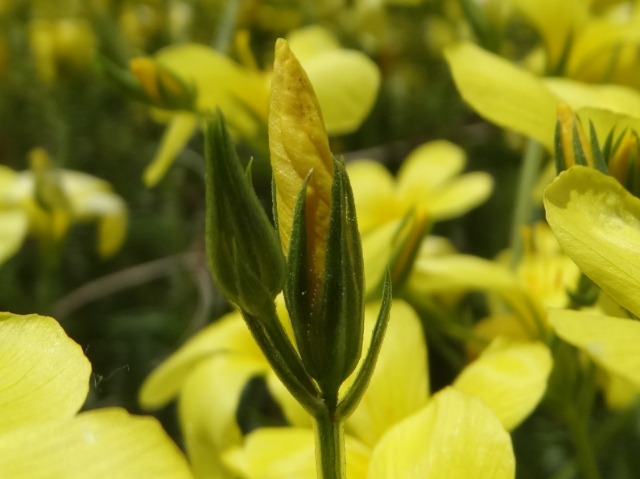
{"x": 299, "y": 146}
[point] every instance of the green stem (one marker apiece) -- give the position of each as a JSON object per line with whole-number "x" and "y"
{"x": 585, "y": 455}
{"x": 529, "y": 173}
{"x": 329, "y": 437}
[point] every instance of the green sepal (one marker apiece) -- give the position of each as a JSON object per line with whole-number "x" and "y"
{"x": 354, "y": 394}
{"x": 242, "y": 248}
{"x": 598, "y": 156}
{"x": 561, "y": 162}
{"x": 268, "y": 333}
{"x": 328, "y": 322}
{"x": 580, "y": 158}
{"x": 297, "y": 288}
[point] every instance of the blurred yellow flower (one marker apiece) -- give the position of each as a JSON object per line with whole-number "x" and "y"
{"x": 45, "y": 201}
{"x": 429, "y": 181}
{"x": 61, "y": 45}
{"x": 44, "y": 380}
{"x": 345, "y": 81}
{"x": 583, "y": 44}
{"x": 518, "y": 100}
{"x": 395, "y": 213}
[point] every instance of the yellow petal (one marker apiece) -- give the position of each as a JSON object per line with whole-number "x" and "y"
{"x": 217, "y": 79}
{"x": 15, "y": 224}
{"x": 228, "y": 335}
{"x": 289, "y": 453}
{"x": 43, "y": 373}
{"x": 91, "y": 198}
{"x": 588, "y": 59}
{"x": 311, "y": 41}
{"x": 605, "y": 120}
{"x": 374, "y": 194}
{"x": 395, "y": 391}
{"x": 99, "y": 443}
{"x": 620, "y": 99}
{"x": 298, "y": 144}
{"x": 460, "y": 196}
{"x": 112, "y": 231}
{"x": 173, "y": 141}
{"x": 346, "y": 83}
{"x": 611, "y": 342}
{"x": 430, "y": 166}
{"x": 208, "y": 406}
{"x": 510, "y": 379}
{"x": 597, "y": 223}
{"x": 503, "y": 93}
{"x": 455, "y": 436}
{"x": 462, "y": 273}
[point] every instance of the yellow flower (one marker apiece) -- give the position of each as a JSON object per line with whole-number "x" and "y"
{"x": 597, "y": 223}
{"x": 518, "y": 100}
{"x": 398, "y": 431}
{"x": 395, "y": 213}
{"x": 582, "y": 44}
{"x": 519, "y": 299}
{"x": 346, "y": 83}
{"x": 510, "y": 378}
{"x": 44, "y": 201}
{"x": 44, "y": 380}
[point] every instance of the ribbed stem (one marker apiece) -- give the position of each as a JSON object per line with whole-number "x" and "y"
{"x": 529, "y": 174}
{"x": 329, "y": 437}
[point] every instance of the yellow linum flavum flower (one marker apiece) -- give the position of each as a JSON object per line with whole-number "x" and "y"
{"x": 44, "y": 381}
{"x": 395, "y": 213}
{"x": 429, "y": 180}
{"x": 49, "y": 200}
{"x": 545, "y": 272}
{"x": 299, "y": 148}
{"x": 223, "y": 357}
{"x": 580, "y": 43}
{"x": 521, "y": 101}
{"x": 401, "y": 429}
{"x": 346, "y": 83}
{"x": 597, "y": 223}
